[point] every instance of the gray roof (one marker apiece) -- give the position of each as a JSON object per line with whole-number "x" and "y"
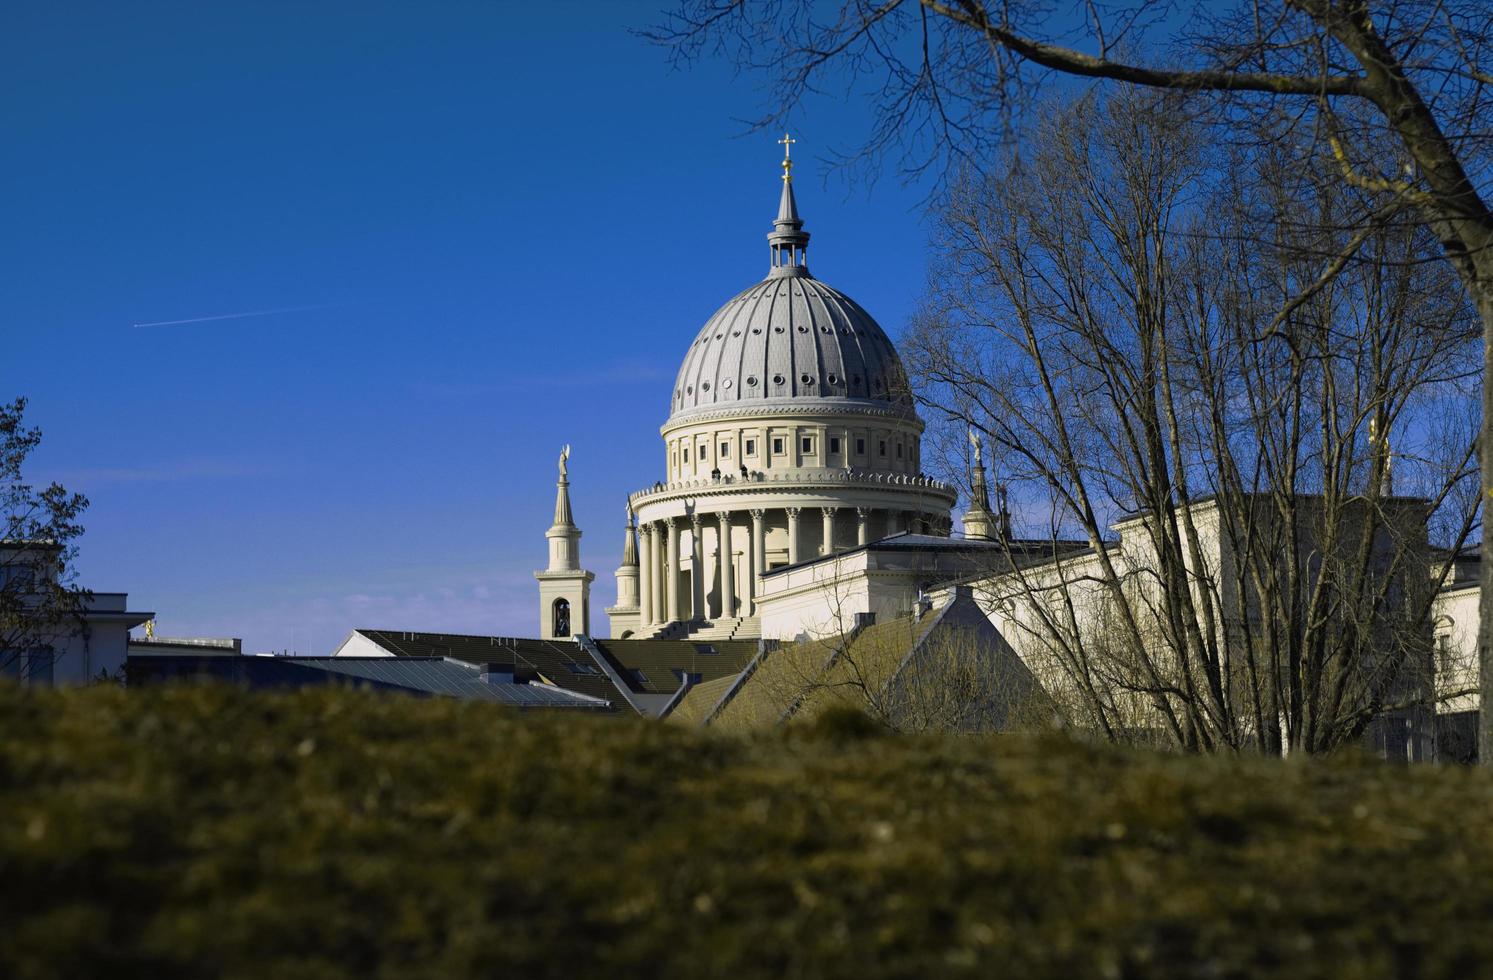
{"x": 445, "y": 676}
{"x": 788, "y": 340}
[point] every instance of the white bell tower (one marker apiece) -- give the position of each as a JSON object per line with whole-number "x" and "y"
{"x": 564, "y": 587}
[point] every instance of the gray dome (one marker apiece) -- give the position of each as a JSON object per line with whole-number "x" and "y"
{"x": 791, "y": 338}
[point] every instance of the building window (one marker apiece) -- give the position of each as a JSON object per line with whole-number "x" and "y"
{"x": 806, "y": 444}
{"x": 562, "y": 617}
{"x": 834, "y": 444}
{"x": 860, "y": 447}
{"x": 704, "y": 451}
{"x": 39, "y": 667}
{"x": 899, "y": 450}
{"x": 751, "y": 447}
{"x": 725, "y": 450}
{"x": 881, "y": 446}
{"x": 686, "y": 454}
{"x": 777, "y": 445}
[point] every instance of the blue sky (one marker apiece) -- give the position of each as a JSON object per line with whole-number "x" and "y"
{"x": 499, "y": 226}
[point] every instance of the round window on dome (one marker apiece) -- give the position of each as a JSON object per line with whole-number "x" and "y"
{"x": 806, "y": 379}
{"x": 826, "y": 330}
{"x": 777, "y": 329}
{"x": 756, "y": 330}
{"x": 833, "y": 379}
{"x": 803, "y": 329}
{"x": 845, "y": 331}
{"x": 777, "y": 379}
{"x": 736, "y": 333}
{"x": 690, "y": 389}
{"x": 705, "y": 386}
{"x": 719, "y": 336}
{"x": 751, "y": 381}
{"x": 726, "y": 384}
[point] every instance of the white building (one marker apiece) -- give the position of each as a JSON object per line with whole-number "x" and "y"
{"x": 793, "y": 502}
{"x": 791, "y": 436}
{"x": 88, "y": 644}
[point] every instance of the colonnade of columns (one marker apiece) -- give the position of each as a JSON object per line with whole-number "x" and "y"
{"x": 667, "y": 596}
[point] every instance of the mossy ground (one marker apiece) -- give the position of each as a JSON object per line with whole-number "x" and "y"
{"x": 207, "y": 832}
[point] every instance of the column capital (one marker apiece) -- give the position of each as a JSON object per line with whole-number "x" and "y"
{"x": 757, "y": 513}
{"x": 863, "y": 512}
{"x": 793, "y": 512}
{"x": 724, "y": 516}
{"x": 829, "y": 511}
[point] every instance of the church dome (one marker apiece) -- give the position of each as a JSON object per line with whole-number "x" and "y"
{"x": 790, "y": 338}
{"x": 790, "y": 341}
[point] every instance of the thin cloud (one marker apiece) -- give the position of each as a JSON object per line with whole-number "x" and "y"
{"x": 238, "y": 316}
{"x": 166, "y": 472}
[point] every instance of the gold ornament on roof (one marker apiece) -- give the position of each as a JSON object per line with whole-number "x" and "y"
{"x": 787, "y": 142}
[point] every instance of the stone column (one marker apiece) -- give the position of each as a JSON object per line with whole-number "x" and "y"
{"x": 828, "y": 546}
{"x": 645, "y": 577}
{"x": 793, "y": 534}
{"x": 697, "y": 571}
{"x": 759, "y": 559}
{"x": 671, "y": 574}
{"x": 727, "y": 569}
{"x": 660, "y": 613}
{"x": 862, "y": 518}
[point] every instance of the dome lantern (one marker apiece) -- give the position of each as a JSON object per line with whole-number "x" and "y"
{"x": 788, "y": 242}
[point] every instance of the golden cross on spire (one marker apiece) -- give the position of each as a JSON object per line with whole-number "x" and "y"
{"x": 787, "y": 142}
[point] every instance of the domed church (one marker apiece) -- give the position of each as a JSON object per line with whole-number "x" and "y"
{"x": 791, "y": 436}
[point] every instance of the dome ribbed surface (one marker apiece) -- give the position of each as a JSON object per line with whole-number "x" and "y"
{"x": 790, "y": 339}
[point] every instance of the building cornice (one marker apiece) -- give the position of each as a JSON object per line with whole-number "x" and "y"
{"x": 824, "y": 409}
{"x": 760, "y": 483}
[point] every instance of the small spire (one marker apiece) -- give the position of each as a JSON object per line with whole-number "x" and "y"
{"x": 630, "y": 544}
{"x": 788, "y": 241}
{"x": 563, "y": 516}
{"x": 979, "y": 523}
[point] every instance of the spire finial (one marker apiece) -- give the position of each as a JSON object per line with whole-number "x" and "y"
{"x": 788, "y": 240}
{"x": 787, "y": 142}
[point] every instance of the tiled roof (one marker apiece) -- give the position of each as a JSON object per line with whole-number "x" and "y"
{"x": 656, "y": 666}
{"x": 698, "y": 702}
{"x": 561, "y": 662}
{"x": 645, "y": 667}
{"x": 802, "y": 679}
{"x": 949, "y": 670}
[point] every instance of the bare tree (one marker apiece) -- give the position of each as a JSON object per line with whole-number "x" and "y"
{"x": 39, "y": 603}
{"x": 1396, "y": 92}
{"x": 1137, "y": 320}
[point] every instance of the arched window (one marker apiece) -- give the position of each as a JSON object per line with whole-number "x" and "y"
{"x": 562, "y": 617}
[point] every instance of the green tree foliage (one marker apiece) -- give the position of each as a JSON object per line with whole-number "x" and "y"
{"x": 39, "y": 601}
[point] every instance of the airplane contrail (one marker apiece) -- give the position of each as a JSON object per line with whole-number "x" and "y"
{"x": 238, "y": 316}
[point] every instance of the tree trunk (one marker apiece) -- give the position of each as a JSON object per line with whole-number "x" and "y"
{"x": 1484, "y": 298}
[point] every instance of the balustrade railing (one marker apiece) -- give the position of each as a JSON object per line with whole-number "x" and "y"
{"x": 795, "y": 477}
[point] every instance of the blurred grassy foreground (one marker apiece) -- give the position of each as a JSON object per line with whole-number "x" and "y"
{"x": 200, "y": 832}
